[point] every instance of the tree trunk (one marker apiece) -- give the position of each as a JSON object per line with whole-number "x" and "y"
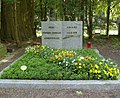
{"x": 17, "y": 20}
{"x": 119, "y": 29}
{"x": 0, "y": 16}
{"x": 40, "y": 11}
{"x": 82, "y": 16}
{"x": 45, "y": 11}
{"x": 108, "y": 16}
{"x": 16, "y": 24}
{"x": 90, "y": 20}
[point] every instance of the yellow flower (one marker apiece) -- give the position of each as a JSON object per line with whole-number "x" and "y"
{"x": 57, "y": 57}
{"x": 99, "y": 71}
{"x": 79, "y": 59}
{"x": 96, "y": 66}
{"x": 76, "y": 63}
{"x": 84, "y": 65}
{"x": 91, "y": 71}
{"x": 95, "y": 71}
{"x": 111, "y": 75}
{"x": 91, "y": 65}
{"x": 106, "y": 66}
{"x": 100, "y": 63}
{"x": 117, "y": 77}
{"x": 115, "y": 68}
{"x": 42, "y": 47}
{"x": 86, "y": 60}
{"x": 80, "y": 67}
{"x": 71, "y": 54}
{"x": 99, "y": 76}
{"x": 105, "y": 72}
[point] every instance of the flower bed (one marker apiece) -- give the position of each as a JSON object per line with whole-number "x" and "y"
{"x": 45, "y": 63}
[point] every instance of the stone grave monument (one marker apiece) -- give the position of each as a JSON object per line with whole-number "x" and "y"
{"x": 62, "y": 34}
{"x": 52, "y": 34}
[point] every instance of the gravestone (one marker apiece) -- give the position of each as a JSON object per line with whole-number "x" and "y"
{"x": 52, "y": 34}
{"x": 72, "y": 34}
{"x": 62, "y": 34}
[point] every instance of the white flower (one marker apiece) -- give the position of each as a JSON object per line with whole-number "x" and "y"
{"x": 23, "y": 67}
{"x": 111, "y": 63}
{"x": 63, "y": 60}
{"x": 76, "y": 63}
{"x": 103, "y": 60}
{"x": 67, "y": 62}
{"x": 81, "y": 57}
{"x": 59, "y": 63}
{"x": 107, "y": 60}
{"x": 73, "y": 61}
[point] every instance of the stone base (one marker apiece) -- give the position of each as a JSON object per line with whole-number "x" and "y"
{"x": 3, "y": 50}
{"x": 59, "y": 89}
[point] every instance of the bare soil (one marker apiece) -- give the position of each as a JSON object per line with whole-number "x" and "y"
{"x": 109, "y": 48}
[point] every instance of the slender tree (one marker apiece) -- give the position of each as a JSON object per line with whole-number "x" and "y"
{"x": 108, "y": 16}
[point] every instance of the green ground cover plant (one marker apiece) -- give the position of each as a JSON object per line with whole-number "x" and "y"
{"x": 45, "y": 63}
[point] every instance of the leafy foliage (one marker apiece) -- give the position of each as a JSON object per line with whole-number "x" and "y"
{"x": 45, "y": 63}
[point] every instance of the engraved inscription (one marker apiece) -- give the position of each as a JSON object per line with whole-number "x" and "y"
{"x": 68, "y": 36}
{"x": 46, "y": 32}
{"x": 71, "y": 26}
{"x": 51, "y": 27}
{"x": 56, "y": 32}
{"x": 51, "y": 38}
{"x": 51, "y": 32}
{"x": 71, "y": 32}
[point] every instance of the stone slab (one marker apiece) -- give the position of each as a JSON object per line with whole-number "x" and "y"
{"x": 93, "y": 85}
{"x": 72, "y": 34}
{"x": 52, "y": 34}
{"x": 62, "y": 34}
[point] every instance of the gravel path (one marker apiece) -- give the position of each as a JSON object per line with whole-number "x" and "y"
{"x": 4, "y": 62}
